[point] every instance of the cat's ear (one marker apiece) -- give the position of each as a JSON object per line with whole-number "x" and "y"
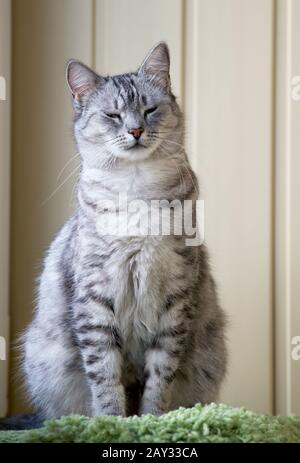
{"x": 81, "y": 80}
{"x": 157, "y": 64}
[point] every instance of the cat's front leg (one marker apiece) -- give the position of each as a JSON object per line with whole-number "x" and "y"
{"x": 101, "y": 349}
{"x": 162, "y": 360}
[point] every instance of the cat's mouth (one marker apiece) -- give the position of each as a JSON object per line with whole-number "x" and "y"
{"x": 136, "y": 145}
{"x": 135, "y": 151}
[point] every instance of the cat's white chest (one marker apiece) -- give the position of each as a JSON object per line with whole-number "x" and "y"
{"x": 138, "y": 293}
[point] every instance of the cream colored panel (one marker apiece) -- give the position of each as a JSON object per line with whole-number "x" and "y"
{"x": 287, "y": 208}
{"x": 126, "y": 30}
{"x": 46, "y": 34}
{"x": 5, "y": 51}
{"x": 229, "y": 49}
{"x": 295, "y": 207}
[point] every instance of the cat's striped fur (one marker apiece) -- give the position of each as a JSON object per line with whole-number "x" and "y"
{"x": 125, "y": 325}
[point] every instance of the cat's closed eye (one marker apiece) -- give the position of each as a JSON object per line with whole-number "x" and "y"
{"x": 113, "y": 115}
{"x": 150, "y": 110}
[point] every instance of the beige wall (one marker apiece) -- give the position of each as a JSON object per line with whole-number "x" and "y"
{"x": 223, "y": 68}
{"x": 160, "y": 20}
{"x": 4, "y": 190}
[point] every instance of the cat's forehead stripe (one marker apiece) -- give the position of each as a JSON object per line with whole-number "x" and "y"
{"x": 126, "y": 88}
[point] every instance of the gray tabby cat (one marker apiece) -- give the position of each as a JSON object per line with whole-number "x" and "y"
{"x": 125, "y": 324}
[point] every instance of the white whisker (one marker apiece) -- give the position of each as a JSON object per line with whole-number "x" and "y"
{"x": 66, "y": 165}
{"x": 62, "y": 184}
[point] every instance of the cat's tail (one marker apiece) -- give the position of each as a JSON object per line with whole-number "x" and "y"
{"x": 20, "y": 422}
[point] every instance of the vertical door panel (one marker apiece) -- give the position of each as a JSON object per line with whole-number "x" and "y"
{"x": 46, "y": 34}
{"x": 5, "y": 103}
{"x": 228, "y": 86}
{"x": 287, "y": 208}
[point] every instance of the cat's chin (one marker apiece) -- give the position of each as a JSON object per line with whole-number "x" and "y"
{"x": 136, "y": 153}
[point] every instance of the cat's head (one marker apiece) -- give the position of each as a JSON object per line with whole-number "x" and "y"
{"x": 126, "y": 116}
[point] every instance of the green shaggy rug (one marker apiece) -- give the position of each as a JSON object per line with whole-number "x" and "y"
{"x": 211, "y": 423}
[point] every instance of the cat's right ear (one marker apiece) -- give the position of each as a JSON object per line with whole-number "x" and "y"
{"x": 81, "y": 80}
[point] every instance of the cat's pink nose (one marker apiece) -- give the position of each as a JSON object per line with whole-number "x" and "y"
{"x": 136, "y": 133}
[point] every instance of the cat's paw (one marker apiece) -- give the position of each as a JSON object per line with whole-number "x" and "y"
{"x": 109, "y": 409}
{"x": 152, "y": 408}
{"x": 112, "y": 404}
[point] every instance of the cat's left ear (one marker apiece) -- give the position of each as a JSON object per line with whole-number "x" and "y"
{"x": 157, "y": 65}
